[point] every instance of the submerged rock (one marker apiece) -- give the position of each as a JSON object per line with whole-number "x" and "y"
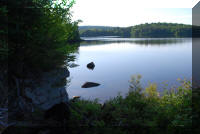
{"x": 90, "y": 84}
{"x": 91, "y": 65}
{"x": 73, "y": 65}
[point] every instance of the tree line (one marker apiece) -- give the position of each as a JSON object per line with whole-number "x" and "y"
{"x": 152, "y": 30}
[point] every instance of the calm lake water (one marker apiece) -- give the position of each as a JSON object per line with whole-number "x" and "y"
{"x": 117, "y": 59}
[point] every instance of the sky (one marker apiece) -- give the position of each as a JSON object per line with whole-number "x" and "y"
{"x": 125, "y": 13}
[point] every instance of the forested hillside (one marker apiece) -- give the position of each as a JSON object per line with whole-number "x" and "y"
{"x": 153, "y": 30}
{"x": 95, "y": 27}
{"x": 92, "y": 31}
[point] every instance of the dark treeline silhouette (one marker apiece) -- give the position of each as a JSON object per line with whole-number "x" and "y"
{"x": 153, "y": 30}
{"x": 39, "y": 33}
{"x": 36, "y": 37}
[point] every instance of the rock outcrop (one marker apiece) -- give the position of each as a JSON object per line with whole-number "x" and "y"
{"x": 51, "y": 89}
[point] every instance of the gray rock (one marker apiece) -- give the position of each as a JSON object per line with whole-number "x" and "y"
{"x": 90, "y": 84}
{"x": 51, "y": 90}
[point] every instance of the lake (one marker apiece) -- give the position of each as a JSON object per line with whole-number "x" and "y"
{"x": 158, "y": 60}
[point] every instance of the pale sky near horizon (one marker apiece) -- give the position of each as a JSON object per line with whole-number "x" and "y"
{"x": 132, "y": 12}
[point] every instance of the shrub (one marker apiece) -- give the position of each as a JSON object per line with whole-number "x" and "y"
{"x": 142, "y": 107}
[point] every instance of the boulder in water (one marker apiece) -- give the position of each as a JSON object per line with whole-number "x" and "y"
{"x": 90, "y": 84}
{"x": 91, "y": 65}
{"x": 73, "y": 65}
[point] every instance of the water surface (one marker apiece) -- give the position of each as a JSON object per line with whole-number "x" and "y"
{"x": 117, "y": 59}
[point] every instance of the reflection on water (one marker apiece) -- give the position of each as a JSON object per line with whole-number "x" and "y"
{"x": 117, "y": 59}
{"x": 140, "y": 41}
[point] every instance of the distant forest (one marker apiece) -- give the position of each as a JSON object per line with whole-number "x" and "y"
{"x": 153, "y": 30}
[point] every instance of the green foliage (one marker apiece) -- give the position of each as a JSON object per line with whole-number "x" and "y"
{"x": 90, "y": 111}
{"x": 141, "y": 107}
{"x": 153, "y": 30}
{"x": 161, "y": 30}
{"x": 39, "y": 33}
{"x": 104, "y": 31}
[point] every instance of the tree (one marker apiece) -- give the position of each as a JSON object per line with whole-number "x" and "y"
{"x": 35, "y": 38}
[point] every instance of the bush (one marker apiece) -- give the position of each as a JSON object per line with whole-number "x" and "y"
{"x": 140, "y": 107}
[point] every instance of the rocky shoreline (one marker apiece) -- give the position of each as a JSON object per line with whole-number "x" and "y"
{"x": 49, "y": 105}
{"x": 44, "y": 95}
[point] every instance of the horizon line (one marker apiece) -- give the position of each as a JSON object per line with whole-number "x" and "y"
{"x": 138, "y": 24}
